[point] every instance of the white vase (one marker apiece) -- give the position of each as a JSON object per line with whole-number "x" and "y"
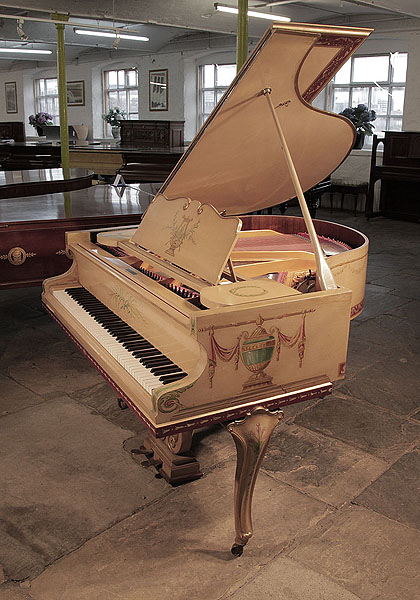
{"x": 115, "y": 132}
{"x": 81, "y": 132}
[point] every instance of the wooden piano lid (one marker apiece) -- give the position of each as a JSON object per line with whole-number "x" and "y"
{"x": 235, "y": 162}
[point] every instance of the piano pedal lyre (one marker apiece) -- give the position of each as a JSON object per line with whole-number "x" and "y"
{"x": 171, "y": 457}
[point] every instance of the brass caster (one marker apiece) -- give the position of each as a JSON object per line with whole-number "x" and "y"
{"x": 237, "y": 550}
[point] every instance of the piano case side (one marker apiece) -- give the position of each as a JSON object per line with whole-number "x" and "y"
{"x": 263, "y": 350}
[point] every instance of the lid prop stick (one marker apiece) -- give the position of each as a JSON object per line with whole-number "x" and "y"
{"x": 323, "y": 272}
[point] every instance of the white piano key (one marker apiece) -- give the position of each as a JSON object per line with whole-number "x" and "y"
{"x": 132, "y": 365}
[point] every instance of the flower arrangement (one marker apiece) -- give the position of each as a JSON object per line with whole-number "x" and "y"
{"x": 114, "y": 116}
{"x": 361, "y": 118}
{"x": 40, "y": 119}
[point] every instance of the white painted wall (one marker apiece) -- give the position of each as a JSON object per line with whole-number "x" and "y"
{"x": 92, "y": 74}
{"x": 411, "y": 119}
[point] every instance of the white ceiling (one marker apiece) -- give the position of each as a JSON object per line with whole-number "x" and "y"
{"x": 177, "y": 24}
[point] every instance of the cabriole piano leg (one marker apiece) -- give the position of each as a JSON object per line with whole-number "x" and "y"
{"x": 251, "y": 436}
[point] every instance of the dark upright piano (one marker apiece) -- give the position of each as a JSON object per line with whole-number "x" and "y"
{"x": 12, "y": 130}
{"x": 399, "y": 175}
{"x": 156, "y": 148}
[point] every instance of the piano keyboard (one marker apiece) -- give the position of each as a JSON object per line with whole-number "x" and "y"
{"x": 145, "y": 363}
{"x": 180, "y": 290}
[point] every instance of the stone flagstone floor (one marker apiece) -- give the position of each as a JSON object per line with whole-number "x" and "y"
{"x": 336, "y": 506}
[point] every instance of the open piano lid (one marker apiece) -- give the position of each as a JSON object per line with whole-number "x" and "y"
{"x": 236, "y": 163}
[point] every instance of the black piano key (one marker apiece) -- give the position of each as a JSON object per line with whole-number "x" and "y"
{"x": 111, "y": 324}
{"x": 165, "y": 369}
{"x": 134, "y": 343}
{"x": 131, "y": 338}
{"x": 171, "y": 378}
{"x": 128, "y": 331}
{"x": 146, "y": 352}
{"x": 137, "y": 340}
{"x": 150, "y": 361}
{"x": 142, "y": 355}
{"x": 99, "y": 314}
{"x": 117, "y": 326}
{"x": 132, "y": 346}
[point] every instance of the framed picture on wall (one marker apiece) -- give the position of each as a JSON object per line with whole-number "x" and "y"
{"x": 158, "y": 90}
{"x": 75, "y": 93}
{"x": 11, "y": 97}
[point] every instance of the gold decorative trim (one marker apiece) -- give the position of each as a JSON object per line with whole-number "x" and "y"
{"x": 61, "y": 252}
{"x": 127, "y": 304}
{"x": 170, "y": 401}
{"x": 266, "y": 319}
{"x": 182, "y": 229}
{"x": 248, "y": 291}
{"x": 17, "y": 256}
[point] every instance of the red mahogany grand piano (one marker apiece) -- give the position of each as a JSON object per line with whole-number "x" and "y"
{"x": 198, "y": 316}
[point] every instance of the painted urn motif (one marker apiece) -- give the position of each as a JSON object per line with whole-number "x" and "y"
{"x": 256, "y": 353}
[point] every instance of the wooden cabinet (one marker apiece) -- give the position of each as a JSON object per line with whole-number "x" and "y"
{"x": 29, "y": 156}
{"x": 152, "y": 134}
{"x": 12, "y": 130}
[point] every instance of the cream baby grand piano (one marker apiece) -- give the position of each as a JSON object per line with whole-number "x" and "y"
{"x": 194, "y": 320}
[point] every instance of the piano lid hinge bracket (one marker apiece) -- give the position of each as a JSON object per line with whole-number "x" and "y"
{"x": 231, "y": 275}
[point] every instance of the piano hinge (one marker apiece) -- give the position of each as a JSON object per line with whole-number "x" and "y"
{"x": 231, "y": 276}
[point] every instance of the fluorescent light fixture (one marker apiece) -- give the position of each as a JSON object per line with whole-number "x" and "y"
{"x": 25, "y": 51}
{"x": 251, "y": 13}
{"x": 107, "y": 34}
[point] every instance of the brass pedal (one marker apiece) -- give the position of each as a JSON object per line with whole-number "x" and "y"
{"x": 142, "y": 450}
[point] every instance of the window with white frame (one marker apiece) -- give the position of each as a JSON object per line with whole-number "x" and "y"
{"x": 46, "y": 97}
{"x": 121, "y": 91}
{"x": 377, "y": 81}
{"x": 214, "y": 81}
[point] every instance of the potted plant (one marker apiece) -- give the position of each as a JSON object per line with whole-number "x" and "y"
{"x": 113, "y": 118}
{"x": 362, "y": 118}
{"x": 39, "y": 120}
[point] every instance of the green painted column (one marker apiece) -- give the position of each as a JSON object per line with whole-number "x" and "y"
{"x": 242, "y": 39}
{"x": 62, "y": 89}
